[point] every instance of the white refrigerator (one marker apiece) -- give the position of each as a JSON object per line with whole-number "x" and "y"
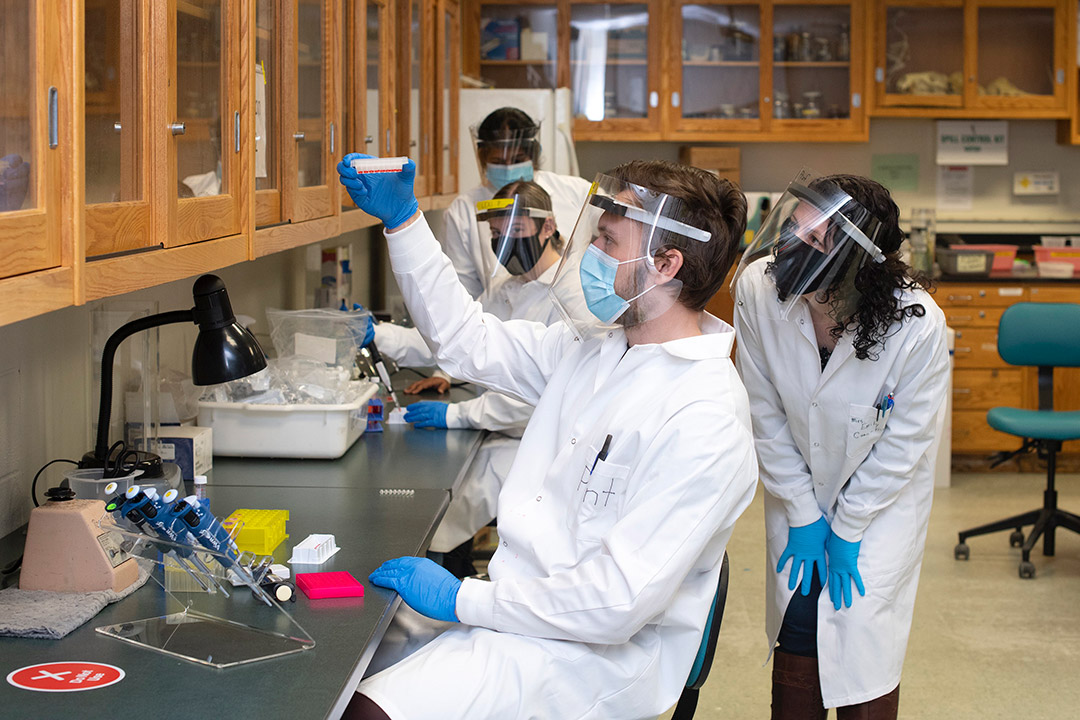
{"x": 550, "y": 108}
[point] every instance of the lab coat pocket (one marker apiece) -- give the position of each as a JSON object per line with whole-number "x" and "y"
{"x": 598, "y": 498}
{"x": 865, "y": 425}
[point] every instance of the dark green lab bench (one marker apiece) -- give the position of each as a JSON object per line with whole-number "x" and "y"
{"x": 347, "y": 497}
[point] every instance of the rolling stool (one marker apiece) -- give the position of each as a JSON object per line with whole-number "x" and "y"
{"x": 1045, "y": 335}
{"x": 687, "y": 704}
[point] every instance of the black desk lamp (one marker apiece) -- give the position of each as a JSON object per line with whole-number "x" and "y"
{"x": 223, "y": 351}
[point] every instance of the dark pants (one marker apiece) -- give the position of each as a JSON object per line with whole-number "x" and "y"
{"x": 798, "y": 634}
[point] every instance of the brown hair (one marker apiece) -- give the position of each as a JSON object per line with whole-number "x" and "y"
{"x": 708, "y": 202}
{"x": 534, "y": 196}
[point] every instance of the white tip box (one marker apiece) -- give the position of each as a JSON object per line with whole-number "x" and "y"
{"x": 287, "y": 431}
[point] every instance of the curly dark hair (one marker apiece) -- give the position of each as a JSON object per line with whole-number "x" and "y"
{"x": 878, "y": 307}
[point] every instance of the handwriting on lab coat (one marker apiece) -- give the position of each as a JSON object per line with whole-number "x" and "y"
{"x": 591, "y": 496}
{"x": 862, "y": 427}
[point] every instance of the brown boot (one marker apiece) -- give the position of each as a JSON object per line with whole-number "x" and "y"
{"x": 796, "y": 689}
{"x": 885, "y": 707}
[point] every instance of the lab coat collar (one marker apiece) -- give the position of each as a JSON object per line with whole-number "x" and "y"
{"x": 716, "y": 341}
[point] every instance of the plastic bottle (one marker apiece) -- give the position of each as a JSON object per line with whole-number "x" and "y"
{"x": 200, "y": 487}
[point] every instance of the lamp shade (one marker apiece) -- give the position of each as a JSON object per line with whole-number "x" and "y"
{"x": 224, "y": 350}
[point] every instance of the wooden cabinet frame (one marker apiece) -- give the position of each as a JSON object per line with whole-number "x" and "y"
{"x": 447, "y": 113}
{"x": 421, "y": 149}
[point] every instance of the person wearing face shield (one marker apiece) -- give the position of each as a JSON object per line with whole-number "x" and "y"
{"x": 844, "y": 356}
{"x": 507, "y": 150}
{"x": 528, "y": 246}
{"x": 629, "y": 477}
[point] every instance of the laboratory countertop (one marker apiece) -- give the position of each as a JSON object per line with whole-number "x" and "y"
{"x": 347, "y": 497}
{"x": 1006, "y": 278}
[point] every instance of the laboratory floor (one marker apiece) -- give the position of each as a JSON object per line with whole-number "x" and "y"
{"x": 984, "y": 643}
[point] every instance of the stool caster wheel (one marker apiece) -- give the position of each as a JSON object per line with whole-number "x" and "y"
{"x": 1016, "y": 538}
{"x": 961, "y": 551}
{"x": 1027, "y": 570}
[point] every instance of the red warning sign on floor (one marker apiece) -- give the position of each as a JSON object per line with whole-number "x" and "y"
{"x": 65, "y": 676}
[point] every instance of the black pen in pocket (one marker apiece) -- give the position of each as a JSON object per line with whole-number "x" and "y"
{"x": 602, "y": 455}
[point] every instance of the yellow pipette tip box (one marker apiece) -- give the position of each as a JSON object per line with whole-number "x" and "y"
{"x": 261, "y": 531}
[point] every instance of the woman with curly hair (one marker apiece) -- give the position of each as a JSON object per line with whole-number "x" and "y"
{"x": 843, "y": 353}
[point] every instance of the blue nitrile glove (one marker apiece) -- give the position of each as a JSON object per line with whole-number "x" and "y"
{"x": 424, "y": 585}
{"x": 369, "y": 329}
{"x": 427, "y": 414}
{"x": 843, "y": 567}
{"x": 805, "y": 547}
{"x": 14, "y": 181}
{"x": 387, "y": 196}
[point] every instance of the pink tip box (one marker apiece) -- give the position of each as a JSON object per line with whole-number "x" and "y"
{"x": 329, "y": 585}
{"x": 363, "y": 166}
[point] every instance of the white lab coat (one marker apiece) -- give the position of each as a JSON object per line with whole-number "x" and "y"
{"x": 823, "y": 449}
{"x": 468, "y": 243}
{"x": 607, "y": 568}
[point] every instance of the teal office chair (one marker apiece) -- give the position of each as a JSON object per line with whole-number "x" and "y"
{"x": 687, "y": 704}
{"x": 1045, "y": 335}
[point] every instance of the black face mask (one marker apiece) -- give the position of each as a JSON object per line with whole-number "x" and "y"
{"x": 521, "y": 254}
{"x": 798, "y": 268}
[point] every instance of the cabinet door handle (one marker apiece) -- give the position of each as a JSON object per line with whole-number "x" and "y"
{"x": 54, "y": 118}
{"x": 675, "y": 99}
{"x": 332, "y": 137}
{"x": 178, "y": 128}
{"x": 298, "y": 136}
{"x": 386, "y": 148}
{"x": 117, "y": 127}
{"x": 962, "y": 298}
{"x": 236, "y": 131}
{"x": 368, "y": 140}
{"x": 879, "y": 75}
{"x": 654, "y": 99}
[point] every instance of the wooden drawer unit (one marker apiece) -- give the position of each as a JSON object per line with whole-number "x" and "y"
{"x": 977, "y": 348}
{"x": 972, "y": 434}
{"x": 985, "y": 389}
{"x": 969, "y": 316}
{"x": 1055, "y": 294}
{"x": 957, "y": 295}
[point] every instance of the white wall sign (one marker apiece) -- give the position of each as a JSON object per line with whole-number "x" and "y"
{"x": 1035, "y": 183}
{"x": 955, "y": 187}
{"x": 963, "y": 142}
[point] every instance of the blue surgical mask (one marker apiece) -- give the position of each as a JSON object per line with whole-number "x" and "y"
{"x": 499, "y": 176}
{"x": 597, "y": 271}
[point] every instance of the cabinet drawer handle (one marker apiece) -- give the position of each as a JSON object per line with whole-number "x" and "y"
{"x": 962, "y": 317}
{"x": 178, "y": 128}
{"x": 962, "y": 297}
{"x": 298, "y": 136}
{"x": 962, "y": 350}
{"x": 961, "y": 391}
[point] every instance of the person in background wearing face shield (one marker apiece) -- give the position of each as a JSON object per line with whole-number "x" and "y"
{"x": 527, "y": 244}
{"x": 507, "y": 150}
{"x": 630, "y": 474}
{"x": 843, "y": 353}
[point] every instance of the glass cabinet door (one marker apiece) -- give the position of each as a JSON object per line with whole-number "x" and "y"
{"x": 920, "y": 54}
{"x": 1020, "y": 54}
{"x": 308, "y": 157}
{"x": 719, "y": 58}
{"x": 448, "y": 71}
{"x": 815, "y": 72}
{"x": 29, "y": 197}
{"x": 613, "y": 68}
{"x": 205, "y": 104}
{"x": 268, "y": 68}
{"x": 117, "y": 201}
{"x": 415, "y": 104}
{"x": 519, "y": 44}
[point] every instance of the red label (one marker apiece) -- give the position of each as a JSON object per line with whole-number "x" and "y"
{"x": 65, "y": 676}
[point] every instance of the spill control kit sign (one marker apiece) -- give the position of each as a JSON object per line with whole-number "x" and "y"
{"x": 966, "y": 142}
{"x": 65, "y": 676}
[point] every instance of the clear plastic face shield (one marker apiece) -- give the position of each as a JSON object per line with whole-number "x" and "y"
{"x": 523, "y": 238}
{"x": 617, "y": 262}
{"x": 814, "y": 242}
{"x": 508, "y": 156}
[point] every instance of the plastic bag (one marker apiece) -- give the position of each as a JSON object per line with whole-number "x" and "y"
{"x": 332, "y": 337}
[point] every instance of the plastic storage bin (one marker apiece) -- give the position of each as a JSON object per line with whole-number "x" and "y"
{"x": 963, "y": 261}
{"x": 1069, "y": 255}
{"x": 1003, "y": 255}
{"x": 293, "y": 431}
{"x": 261, "y": 531}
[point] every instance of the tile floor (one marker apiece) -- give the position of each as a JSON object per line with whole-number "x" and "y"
{"x": 984, "y": 643}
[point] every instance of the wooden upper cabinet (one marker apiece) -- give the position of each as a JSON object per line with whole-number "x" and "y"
{"x": 308, "y": 97}
{"x": 615, "y": 68}
{"x": 973, "y": 58}
{"x": 515, "y": 44}
{"x": 30, "y": 180}
{"x": 269, "y": 70}
{"x": 447, "y": 77}
{"x": 416, "y": 91}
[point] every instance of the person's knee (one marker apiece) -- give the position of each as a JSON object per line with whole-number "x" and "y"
{"x": 361, "y": 707}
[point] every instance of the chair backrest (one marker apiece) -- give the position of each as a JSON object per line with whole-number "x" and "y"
{"x": 704, "y": 658}
{"x": 1040, "y": 334}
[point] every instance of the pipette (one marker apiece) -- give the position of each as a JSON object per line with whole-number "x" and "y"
{"x": 380, "y": 367}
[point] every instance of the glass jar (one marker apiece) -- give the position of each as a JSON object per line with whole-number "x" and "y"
{"x": 811, "y": 110}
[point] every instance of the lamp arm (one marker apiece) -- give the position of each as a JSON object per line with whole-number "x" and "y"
{"x": 107, "y": 357}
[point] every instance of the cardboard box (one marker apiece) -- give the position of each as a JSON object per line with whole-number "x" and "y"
{"x": 190, "y": 447}
{"x": 722, "y": 161}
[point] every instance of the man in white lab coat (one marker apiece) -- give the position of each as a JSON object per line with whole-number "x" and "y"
{"x": 630, "y": 475}
{"x": 507, "y": 149}
{"x": 844, "y": 357}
